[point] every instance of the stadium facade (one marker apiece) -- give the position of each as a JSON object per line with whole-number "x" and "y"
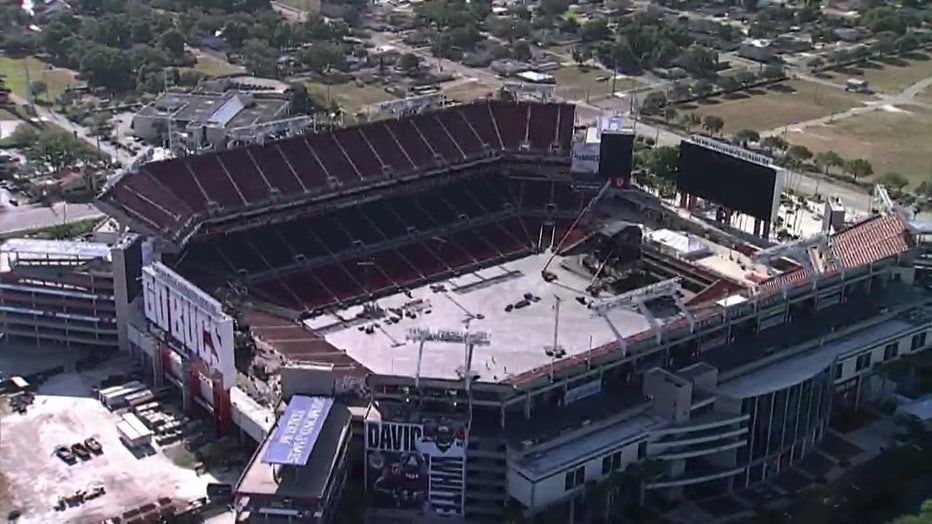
{"x": 510, "y": 359}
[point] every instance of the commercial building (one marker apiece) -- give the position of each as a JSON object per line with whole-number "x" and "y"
{"x": 207, "y": 121}
{"x": 298, "y": 473}
{"x": 69, "y": 292}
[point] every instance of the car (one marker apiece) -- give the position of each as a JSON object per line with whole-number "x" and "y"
{"x": 94, "y": 446}
{"x": 65, "y": 454}
{"x": 81, "y": 451}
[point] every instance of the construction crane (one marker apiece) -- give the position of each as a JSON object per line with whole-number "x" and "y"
{"x": 548, "y": 276}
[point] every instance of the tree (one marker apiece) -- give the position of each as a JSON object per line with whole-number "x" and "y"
{"x": 300, "y": 99}
{"x": 260, "y": 58}
{"x": 745, "y": 78}
{"x": 23, "y": 136}
{"x": 772, "y": 72}
{"x": 594, "y": 31}
{"x": 894, "y": 180}
{"x": 713, "y": 124}
{"x": 57, "y": 148}
{"x": 746, "y": 136}
{"x": 409, "y": 62}
{"x": 817, "y": 63}
{"x": 521, "y": 50}
{"x": 38, "y": 88}
{"x": 728, "y": 84}
{"x": 772, "y": 143}
{"x": 679, "y": 91}
{"x": 885, "y": 43}
{"x": 669, "y": 113}
{"x": 173, "y": 42}
{"x": 703, "y": 88}
{"x": 859, "y": 168}
{"x": 799, "y": 152}
{"x": 662, "y": 161}
{"x": 322, "y": 58}
{"x": 699, "y": 61}
{"x": 653, "y": 102}
{"x": 826, "y": 160}
{"x": 690, "y": 121}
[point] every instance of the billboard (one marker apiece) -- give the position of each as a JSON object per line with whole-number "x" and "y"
{"x": 616, "y": 150}
{"x": 585, "y": 158}
{"x": 722, "y": 176}
{"x": 418, "y": 467}
{"x": 190, "y": 317}
{"x": 297, "y": 431}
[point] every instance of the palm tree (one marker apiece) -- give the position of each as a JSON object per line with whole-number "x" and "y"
{"x": 690, "y": 120}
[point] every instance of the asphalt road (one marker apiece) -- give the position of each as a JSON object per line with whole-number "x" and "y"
{"x": 25, "y": 218}
{"x": 121, "y": 156}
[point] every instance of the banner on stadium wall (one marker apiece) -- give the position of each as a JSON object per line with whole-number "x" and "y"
{"x": 194, "y": 320}
{"x": 417, "y": 467}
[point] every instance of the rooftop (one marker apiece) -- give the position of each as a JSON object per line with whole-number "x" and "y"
{"x": 808, "y": 329}
{"x": 518, "y": 337}
{"x": 55, "y": 248}
{"x": 229, "y": 110}
{"x": 538, "y": 465}
{"x": 308, "y": 481}
{"x": 798, "y": 367}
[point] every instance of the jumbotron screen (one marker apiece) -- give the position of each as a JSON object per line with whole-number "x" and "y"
{"x": 737, "y": 184}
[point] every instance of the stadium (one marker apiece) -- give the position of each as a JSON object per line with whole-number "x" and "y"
{"x": 522, "y": 332}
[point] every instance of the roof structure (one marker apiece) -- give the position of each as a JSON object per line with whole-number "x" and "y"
{"x": 872, "y": 240}
{"x": 172, "y": 198}
{"x": 478, "y": 300}
{"x": 70, "y": 249}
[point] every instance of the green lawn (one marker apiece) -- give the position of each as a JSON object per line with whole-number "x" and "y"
{"x": 14, "y": 72}
{"x": 215, "y": 67}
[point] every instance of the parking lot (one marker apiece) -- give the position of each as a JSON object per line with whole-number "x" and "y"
{"x": 65, "y": 412}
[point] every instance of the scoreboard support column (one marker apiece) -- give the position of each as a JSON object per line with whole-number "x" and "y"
{"x": 223, "y": 408}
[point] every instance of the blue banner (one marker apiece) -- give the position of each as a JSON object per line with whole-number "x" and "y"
{"x": 297, "y": 431}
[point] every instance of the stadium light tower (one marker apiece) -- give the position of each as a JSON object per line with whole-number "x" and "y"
{"x": 639, "y": 299}
{"x": 470, "y": 339}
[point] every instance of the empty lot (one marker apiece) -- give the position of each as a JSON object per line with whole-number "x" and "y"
{"x": 64, "y": 413}
{"x": 779, "y": 105}
{"x": 893, "y": 139}
{"x": 887, "y": 78}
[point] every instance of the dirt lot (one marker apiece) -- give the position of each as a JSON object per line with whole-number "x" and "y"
{"x": 64, "y": 413}
{"x": 780, "y": 105}
{"x": 576, "y": 83}
{"x": 887, "y": 78}
{"x": 351, "y": 97}
{"x": 467, "y": 90}
{"x": 892, "y": 139}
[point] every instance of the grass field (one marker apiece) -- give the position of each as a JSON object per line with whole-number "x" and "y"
{"x": 468, "y": 90}
{"x": 893, "y": 140}
{"x": 215, "y": 67}
{"x": 785, "y": 104}
{"x": 15, "y": 76}
{"x": 581, "y": 83}
{"x": 351, "y": 97}
{"x": 886, "y": 78}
